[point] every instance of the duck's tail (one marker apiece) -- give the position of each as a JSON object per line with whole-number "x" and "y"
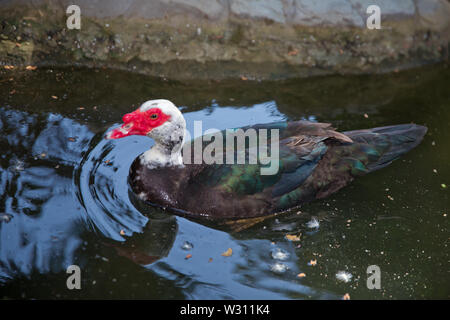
{"x": 389, "y": 142}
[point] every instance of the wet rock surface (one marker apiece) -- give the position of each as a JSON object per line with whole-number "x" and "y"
{"x": 186, "y": 39}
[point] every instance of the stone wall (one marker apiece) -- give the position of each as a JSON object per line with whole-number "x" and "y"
{"x": 216, "y": 39}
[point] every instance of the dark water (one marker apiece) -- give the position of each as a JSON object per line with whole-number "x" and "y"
{"x": 64, "y": 197}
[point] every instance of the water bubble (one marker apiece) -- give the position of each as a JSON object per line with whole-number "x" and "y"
{"x": 313, "y": 224}
{"x": 279, "y": 254}
{"x": 5, "y": 217}
{"x": 278, "y": 267}
{"x": 344, "y": 276}
{"x": 187, "y": 245}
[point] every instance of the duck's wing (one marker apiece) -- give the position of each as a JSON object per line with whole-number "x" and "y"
{"x": 246, "y": 190}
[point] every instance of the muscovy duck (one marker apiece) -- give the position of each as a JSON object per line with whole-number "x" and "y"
{"x": 314, "y": 161}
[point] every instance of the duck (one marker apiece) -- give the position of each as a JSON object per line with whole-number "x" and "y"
{"x": 314, "y": 161}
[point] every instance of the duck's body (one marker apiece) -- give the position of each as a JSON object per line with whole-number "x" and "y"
{"x": 314, "y": 162}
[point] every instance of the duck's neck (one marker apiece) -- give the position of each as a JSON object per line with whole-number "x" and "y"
{"x": 166, "y": 154}
{"x": 169, "y": 139}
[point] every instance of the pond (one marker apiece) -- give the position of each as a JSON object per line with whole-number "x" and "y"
{"x": 64, "y": 197}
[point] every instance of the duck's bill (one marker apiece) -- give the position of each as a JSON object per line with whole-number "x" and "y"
{"x": 125, "y": 130}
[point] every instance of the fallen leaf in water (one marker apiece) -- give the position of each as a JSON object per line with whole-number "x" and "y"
{"x": 210, "y": 260}
{"x": 228, "y": 253}
{"x": 72, "y": 139}
{"x": 293, "y": 237}
{"x": 301, "y": 275}
{"x": 346, "y": 296}
{"x": 188, "y": 256}
{"x": 31, "y": 68}
{"x": 313, "y": 262}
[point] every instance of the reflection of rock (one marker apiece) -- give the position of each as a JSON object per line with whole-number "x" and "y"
{"x": 40, "y": 229}
{"x": 155, "y": 240}
{"x": 152, "y": 244}
{"x": 65, "y": 136}
{"x": 228, "y": 38}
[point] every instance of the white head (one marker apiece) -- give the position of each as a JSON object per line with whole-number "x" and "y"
{"x": 163, "y": 122}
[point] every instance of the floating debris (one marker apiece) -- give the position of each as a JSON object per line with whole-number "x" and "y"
{"x": 4, "y": 217}
{"x": 293, "y": 237}
{"x": 210, "y": 259}
{"x": 227, "y": 253}
{"x": 279, "y": 254}
{"x": 188, "y": 256}
{"x": 31, "y": 68}
{"x": 187, "y": 245}
{"x": 122, "y": 233}
{"x": 284, "y": 226}
{"x": 301, "y": 275}
{"x": 278, "y": 267}
{"x": 313, "y": 224}
{"x": 312, "y": 262}
{"x": 344, "y": 276}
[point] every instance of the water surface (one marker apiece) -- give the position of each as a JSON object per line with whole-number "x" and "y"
{"x": 64, "y": 197}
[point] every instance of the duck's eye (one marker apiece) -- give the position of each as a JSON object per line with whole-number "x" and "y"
{"x": 154, "y": 116}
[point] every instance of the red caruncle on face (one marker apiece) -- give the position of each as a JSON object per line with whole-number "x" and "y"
{"x": 139, "y": 123}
